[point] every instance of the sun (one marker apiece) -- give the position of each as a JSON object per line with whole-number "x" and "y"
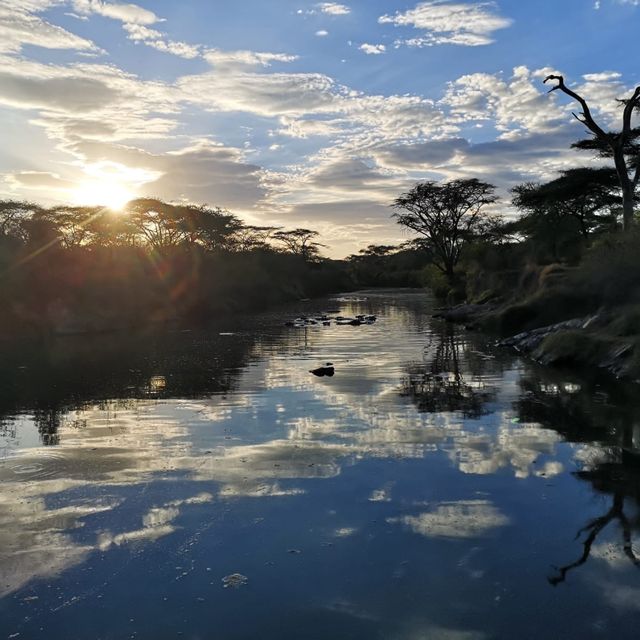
{"x": 106, "y": 193}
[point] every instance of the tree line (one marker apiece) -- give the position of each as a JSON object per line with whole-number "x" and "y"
{"x": 72, "y": 269}
{"x": 557, "y": 221}
{"x": 147, "y": 223}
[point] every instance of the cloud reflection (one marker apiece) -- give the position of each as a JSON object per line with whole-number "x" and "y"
{"x": 463, "y": 519}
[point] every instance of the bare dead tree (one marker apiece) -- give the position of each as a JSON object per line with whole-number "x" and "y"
{"x": 616, "y": 143}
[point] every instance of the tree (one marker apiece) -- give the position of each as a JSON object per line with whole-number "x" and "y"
{"x": 448, "y": 216}
{"x": 300, "y": 242}
{"x": 578, "y": 202}
{"x": 621, "y": 146}
{"x": 161, "y": 225}
{"x": 251, "y": 237}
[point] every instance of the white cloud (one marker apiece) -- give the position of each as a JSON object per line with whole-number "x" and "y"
{"x": 19, "y": 26}
{"x": 322, "y": 33}
{"x": 373, "y": 49}
{"x": 180, "y": 49}
{"x": 243, "y": 58}
{"x": 470, "y": 519}
{"x": 334, "y": 8}
{"x": 445, "y": 22}
{"x": 128, "y": 13}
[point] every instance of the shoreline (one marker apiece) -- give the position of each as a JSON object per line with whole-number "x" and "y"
{"x": 575, "y": 343}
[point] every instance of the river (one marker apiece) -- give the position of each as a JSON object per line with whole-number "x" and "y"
{"x": 204, "y": 484}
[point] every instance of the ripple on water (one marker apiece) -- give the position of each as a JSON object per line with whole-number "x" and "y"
{"x": 49, "y": 464}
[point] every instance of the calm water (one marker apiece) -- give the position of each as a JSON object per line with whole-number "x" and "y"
{"x": 435, "y": 487}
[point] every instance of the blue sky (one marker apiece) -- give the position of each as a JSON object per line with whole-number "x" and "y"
{"x": 299, "y": 113}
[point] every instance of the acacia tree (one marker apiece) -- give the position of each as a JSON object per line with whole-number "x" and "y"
{"x": 584, "y": 197}
{"x": 252, "y": 237}
{"x": 300, "y": 242}
{"x": 448, "y": 215}
{"x": 621, "y": 146}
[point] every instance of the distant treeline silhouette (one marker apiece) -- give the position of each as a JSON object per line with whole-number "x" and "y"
{"x": 68, "y": 269}
{"x": 73, "y": 269}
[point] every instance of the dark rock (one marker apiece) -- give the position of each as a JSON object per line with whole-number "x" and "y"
{"x": 321, "y": 372}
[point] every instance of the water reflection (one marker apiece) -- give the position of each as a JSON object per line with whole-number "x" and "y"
{"x": 620, "y": 483}
{"x": 426, "y": 446}
{"x": 438, "y": 384}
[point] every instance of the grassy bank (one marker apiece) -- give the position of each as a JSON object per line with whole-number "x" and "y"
{"x": 585, "y": 314}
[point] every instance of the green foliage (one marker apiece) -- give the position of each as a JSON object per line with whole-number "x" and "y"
{"x": 544, "y": 307}
{"x": 610, "y": 271}
{"x": 447, "y": 216}
{"x": 388, "y": 266}
{"x": 432, "y": 278}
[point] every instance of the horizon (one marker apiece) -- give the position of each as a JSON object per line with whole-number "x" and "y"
{"x": 303, "y": 114}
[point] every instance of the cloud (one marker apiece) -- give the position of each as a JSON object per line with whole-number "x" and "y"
{"x": 334, "y": 8}
{"x": 202, "y": 171}
{"x": 180, "y": 49}
{"x": 464, "y": 519}
{"x": 136, "y": 22}
{"x": 322, "y": 33}
{"x": 445, "y": 22}
{"x": 39, "y": 180}
{"x": 19, "y": 26}
{"x": 373, "y": 49}
{"x": 75, "y": 94}
{"x": 128, "y": 13}
{"x": 244, "y": 58}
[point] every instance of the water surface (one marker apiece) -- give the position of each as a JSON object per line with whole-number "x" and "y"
{"x": 203, "y": 484}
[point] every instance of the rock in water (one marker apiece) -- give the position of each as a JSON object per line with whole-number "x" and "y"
{"x": 327, "y": 370}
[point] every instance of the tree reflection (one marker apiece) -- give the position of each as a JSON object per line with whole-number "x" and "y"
{"x": 50, "y": 380}
{"x": 624, "y": 485}
{"x": 445, "y": 381}
{"x": 592, "y": 411}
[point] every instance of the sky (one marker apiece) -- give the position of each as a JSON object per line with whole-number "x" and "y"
{"x": 299, "y": 113}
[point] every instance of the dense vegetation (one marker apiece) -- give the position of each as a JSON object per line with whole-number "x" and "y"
{"x": 570, "y": 252}
{"x": 570, "y": 257}
{"x": 67, "y": 269}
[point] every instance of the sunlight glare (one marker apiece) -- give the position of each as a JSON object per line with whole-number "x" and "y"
{"x": 108, "y": 194}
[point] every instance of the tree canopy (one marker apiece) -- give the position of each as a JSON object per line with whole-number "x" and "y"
{"x": 447, "y": 215}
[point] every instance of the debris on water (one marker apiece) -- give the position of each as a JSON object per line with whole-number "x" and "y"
{"x": 235, "y": 581}
{"x": 294, "y": 551}
{"x": 303, "y": 322}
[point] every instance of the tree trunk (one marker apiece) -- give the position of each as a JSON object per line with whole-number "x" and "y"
{"x": 627, "y": 207}
{"x": 627, "y": 186}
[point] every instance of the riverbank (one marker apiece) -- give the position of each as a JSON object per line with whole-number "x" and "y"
{"x": 607, "y": 339}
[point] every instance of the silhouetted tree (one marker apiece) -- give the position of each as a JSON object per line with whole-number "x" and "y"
{"x": 300, "y": 242}
{"x": 621, "y": 146}
{"x": 447, "y": 215}
{"x": 586, "y": 195}
{"x": 250, "y": 237}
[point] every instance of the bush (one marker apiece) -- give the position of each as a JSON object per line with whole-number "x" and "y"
{"x": 610, "y": 271}
{"x": 572, "y": 347}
